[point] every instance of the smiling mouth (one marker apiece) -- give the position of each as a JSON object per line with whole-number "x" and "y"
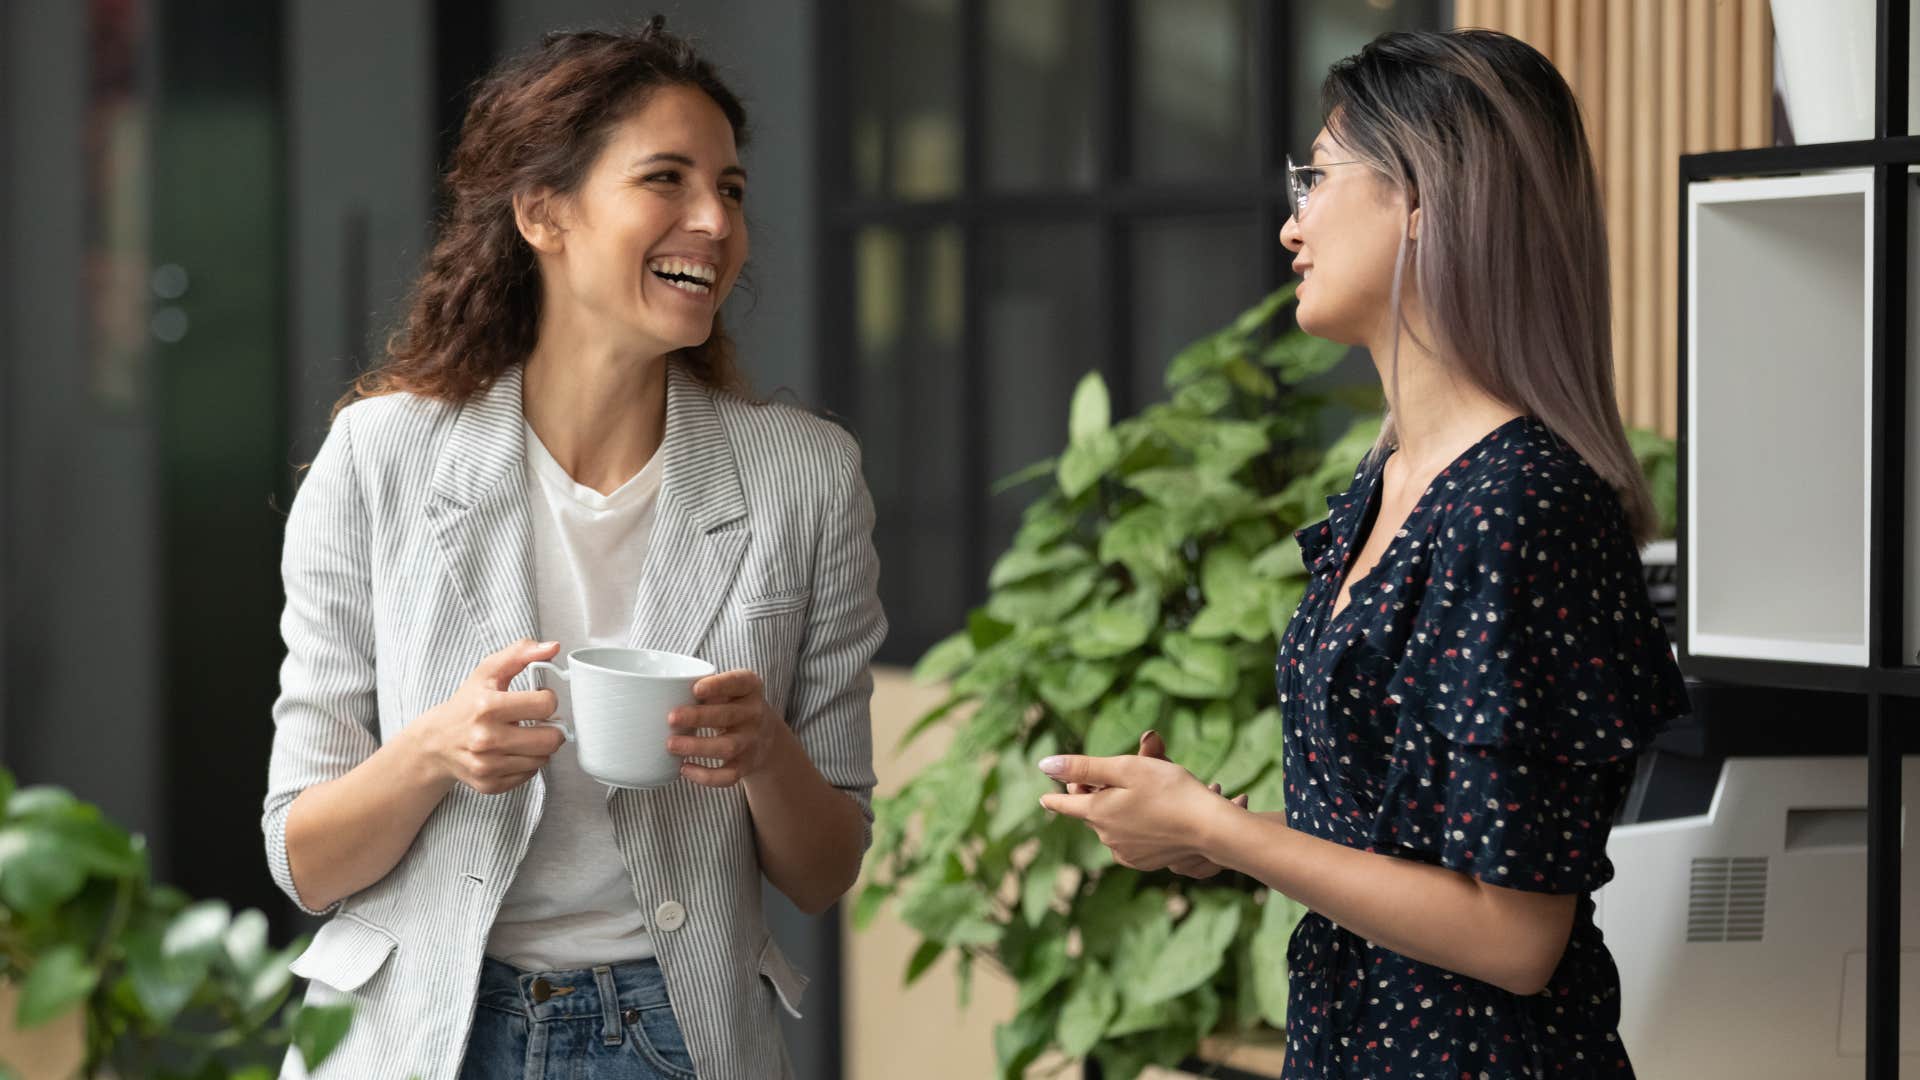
{"x": 684, "y": 274}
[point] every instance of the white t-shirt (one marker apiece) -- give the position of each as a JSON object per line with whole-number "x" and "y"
{"x": 571, "y": 904}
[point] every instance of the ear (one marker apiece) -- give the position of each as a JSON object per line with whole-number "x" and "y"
{"x": 533, "y": 215}
{"x": 1413, "y": 224}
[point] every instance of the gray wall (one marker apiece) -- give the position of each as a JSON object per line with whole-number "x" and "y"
{"x": 762, "y": 50}
{"x": 82, "y": 687}
{"x": 361, "y": 149}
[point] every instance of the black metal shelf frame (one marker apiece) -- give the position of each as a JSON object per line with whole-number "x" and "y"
{"x": 1890, "y": 684}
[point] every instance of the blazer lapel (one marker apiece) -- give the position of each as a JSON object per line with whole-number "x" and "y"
{"x": 477, "y": 504}
{"x": 698, "y": 531}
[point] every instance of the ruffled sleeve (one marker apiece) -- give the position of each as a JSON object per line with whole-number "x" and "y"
{"x": 1535, "y": 672}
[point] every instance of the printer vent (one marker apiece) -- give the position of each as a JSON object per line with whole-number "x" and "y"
{"x": 1727, "y": 900}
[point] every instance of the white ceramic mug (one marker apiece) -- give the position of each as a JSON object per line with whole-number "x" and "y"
{"x": 621, "y": 698}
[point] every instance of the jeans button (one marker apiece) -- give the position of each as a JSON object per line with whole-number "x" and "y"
{"x": 542, "y": 990}
{"x": 630, "y": 1016}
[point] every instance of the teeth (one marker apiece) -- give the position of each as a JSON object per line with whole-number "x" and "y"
{"x": 688, "y": 286}
{"x": 684, "y": 267}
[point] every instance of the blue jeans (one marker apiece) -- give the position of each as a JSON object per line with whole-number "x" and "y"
{"x": 608, "y": 1021}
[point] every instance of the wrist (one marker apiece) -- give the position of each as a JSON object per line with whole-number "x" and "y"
{"x": 778, "y": 750}
{"x": 423, "y": 766}
{"x": 1213, "y": 836}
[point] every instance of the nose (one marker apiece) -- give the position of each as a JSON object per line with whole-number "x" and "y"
{"x": 710, "y": 215}
{"x": 1290, "y": 237}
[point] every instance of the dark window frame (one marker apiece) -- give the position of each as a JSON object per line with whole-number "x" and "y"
{"x": 1113, "y": 203}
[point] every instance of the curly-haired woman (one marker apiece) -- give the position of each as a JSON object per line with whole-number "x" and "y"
{"x": 557, "y": 453}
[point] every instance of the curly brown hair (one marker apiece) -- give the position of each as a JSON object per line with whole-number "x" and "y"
{"x": 538, "y": 120}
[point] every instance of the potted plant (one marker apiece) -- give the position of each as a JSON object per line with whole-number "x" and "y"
{"x": 1146, "y": 588}
{"x": 168, "y": 987}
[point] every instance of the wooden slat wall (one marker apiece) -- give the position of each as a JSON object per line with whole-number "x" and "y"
{"x": 1656, "y": 79}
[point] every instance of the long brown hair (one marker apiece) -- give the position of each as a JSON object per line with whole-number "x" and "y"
{"x": 1479, "y": 130}
{"x": 537, "y": 121}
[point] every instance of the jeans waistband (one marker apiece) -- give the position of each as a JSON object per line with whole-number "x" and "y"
{"x": 605, "y": 990}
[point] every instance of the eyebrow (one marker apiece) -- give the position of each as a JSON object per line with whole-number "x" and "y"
{"x": 1318, "y": 148}
{"x": 682, "y": 159}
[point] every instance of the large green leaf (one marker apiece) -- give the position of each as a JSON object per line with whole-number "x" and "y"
{"x": 1296, "y": 357}
{"x": 267, "y": 989}
{"x": 1084, "y": 463}
{"x": 1072, "y": 685}
{"x": 1141, "y": 949}
{"x": 41, "y": 801}
{"x": 197, "y": 932}
{"x": 1044, "y": 967}
{"x": 1282, "y": 560}
{"x": 1040, "y": 881}
{"x": 1021, "y": 783}
{"x": 951, "y": 912}
{"x": 1255, "y": 746}
{"x": 867, "y": 907}
{"x": 1148, "y": 537}
{"x": 1263, "y": 312}
{"x": 922, "y": 959}
{"x": 163, "y": 984}
{"x": 949, "y": 795}
{"x": 1122, "y": 719}
{"x": 1196, "y": 949}
{"x": 1035, "y": 471}
{"x": 1203, "y": 356}
{"x": 245, "y": 943}
{"x": 1200, "y": 739}
{"x": 928, "y": 719}
{"x": 1043, "y": 599}
{"x": 947, "y": 656}
{"x": 1090, "y": 1003}
{"x": 35, "y": 874}
{"x": 1277, "y": 919}
{"x": 1192, "y": 668}
{"x": 318, "y": 1029}
{"x": 1019, "y": 1041}
{"x": 1268, "y": 794}
{"x": 1115, "y": 628}
{"x": 60, "y": 980}
{"x": 1044, "y": 522}
{"x": 1201, "y": 500}
{"x": 1091, "y": 412}
{"x": 1023, "y": 565}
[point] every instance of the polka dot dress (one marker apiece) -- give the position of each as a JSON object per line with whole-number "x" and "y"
{"x": 1477, "y": 705}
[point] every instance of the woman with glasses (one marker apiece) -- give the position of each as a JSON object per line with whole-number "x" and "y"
{"x": 1475, "y": 663}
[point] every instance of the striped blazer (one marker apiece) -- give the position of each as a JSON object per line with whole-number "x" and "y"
{"x": 408, "y": 559}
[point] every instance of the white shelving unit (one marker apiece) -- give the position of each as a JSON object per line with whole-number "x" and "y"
{"x": 1780, "y": 344}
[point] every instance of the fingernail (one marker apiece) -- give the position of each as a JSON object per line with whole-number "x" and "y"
{"x": 1149, "y": 734}
{"x": 548, "y": 644}
{"x": 1053, "y": 766}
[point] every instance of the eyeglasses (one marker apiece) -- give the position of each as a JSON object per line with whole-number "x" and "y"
{"x": 1302, "y": 179}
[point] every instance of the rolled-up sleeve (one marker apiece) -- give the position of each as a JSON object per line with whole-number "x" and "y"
{"x": 830, "y": 710}
{"x": 326, "y": 717}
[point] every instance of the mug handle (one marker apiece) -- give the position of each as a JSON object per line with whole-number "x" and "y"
{"x": 560, "y": 673}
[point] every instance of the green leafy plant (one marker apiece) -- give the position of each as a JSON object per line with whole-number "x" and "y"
{"x": 1146, "y": 588}
{"x": 170, "y": 987}
{"x": 1659, "y": 459}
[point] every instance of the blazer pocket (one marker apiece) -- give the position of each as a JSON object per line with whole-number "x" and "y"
{"x": 774, "y": 604}
{"x": 345, "y": 953}
{"x": 788, "y": 985}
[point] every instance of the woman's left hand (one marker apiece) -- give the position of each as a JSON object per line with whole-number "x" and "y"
{"x": 1148, "y": 811}
{"x": 733, "y": 708}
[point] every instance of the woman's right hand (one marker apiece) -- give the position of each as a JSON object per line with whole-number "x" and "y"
{"x": 475, "y": 737}
{"x": 1153, "y": 746}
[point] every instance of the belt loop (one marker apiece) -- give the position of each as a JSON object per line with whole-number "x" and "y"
{"x": 611, "y": 1032}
